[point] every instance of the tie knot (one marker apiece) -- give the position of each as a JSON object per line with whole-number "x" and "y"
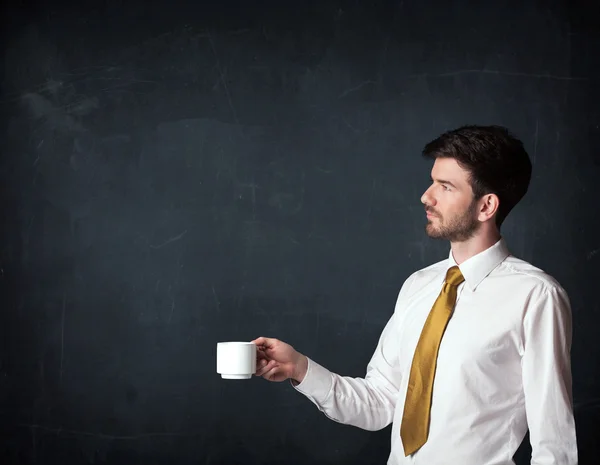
{"x": 454, "y": 277}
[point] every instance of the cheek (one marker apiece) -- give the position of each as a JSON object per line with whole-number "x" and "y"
{"x": 458, "y": 204}
{"x": 449, "y": 210}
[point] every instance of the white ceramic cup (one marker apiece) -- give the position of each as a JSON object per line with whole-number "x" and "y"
{"x": 236, "y": 360}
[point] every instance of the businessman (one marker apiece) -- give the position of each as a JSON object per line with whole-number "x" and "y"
{"x": 477, "y": 350}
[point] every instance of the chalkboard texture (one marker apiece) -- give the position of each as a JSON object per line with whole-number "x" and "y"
{"x": 175, "y": 174}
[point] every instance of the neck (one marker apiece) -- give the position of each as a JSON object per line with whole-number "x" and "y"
{"x": 462, "y": 251}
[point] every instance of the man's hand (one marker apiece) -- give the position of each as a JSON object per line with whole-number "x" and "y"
{"x": 278, "y": 361}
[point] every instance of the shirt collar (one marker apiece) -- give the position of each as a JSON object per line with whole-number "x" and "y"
{"x": 476, "y": 268}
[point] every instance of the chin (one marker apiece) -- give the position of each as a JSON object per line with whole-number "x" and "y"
{"x": 432, "y": 232}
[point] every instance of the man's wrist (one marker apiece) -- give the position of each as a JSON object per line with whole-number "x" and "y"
{"x": 301, "y": 369}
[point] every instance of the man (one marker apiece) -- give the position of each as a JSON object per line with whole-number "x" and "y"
{"x": 478, "y": 347}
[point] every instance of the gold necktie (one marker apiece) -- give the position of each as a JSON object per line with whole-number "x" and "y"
{"x": 415, "y": 420}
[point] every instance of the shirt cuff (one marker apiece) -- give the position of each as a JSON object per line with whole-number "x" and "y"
{"x": 317, "y": 382}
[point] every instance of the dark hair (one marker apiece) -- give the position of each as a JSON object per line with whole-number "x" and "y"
{"x": 496, "y": 160}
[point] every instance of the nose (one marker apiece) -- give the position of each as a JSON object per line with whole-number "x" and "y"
{"x": 427, "y": 198}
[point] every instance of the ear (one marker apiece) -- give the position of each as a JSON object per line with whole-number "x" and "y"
{"x": 488, "y": 207}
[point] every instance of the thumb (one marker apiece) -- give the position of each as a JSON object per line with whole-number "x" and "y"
{"x": 266, "y": 342}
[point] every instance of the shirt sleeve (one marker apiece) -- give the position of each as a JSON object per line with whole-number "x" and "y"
{"x": 547, "y": 379}
{"x": 368, "y": 402}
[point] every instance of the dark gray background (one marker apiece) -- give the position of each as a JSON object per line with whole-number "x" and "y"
{"x": 176, "y": 174}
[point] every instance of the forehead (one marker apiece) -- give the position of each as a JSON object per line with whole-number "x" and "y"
{"x": 447, "y": 169}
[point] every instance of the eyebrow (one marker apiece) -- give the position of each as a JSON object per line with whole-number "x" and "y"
{"x": 443, "y": 181}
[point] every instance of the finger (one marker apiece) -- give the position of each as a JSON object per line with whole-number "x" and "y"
{"x": 261, "y": 372}
{"x": 271, "y": 374}
{"x": 266, "y": 342}
{"x": 259, "y": 341}
{"x": 266, "y": 367}
{"x": 261, "y": 355}
{"x": 260, "y": 365}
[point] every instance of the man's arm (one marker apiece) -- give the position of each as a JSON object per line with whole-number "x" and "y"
{"x": 368, "y": 402}
{"x": 547, "y": 381}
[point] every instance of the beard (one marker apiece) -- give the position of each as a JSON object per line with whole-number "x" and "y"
{"x": 457, "y": 228}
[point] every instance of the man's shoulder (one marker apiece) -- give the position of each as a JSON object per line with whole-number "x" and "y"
{"x": 527, "y": 274}
{"x": 428, "y": 273}
{"x": 433, "y": 269}
{"x": 419, "y": 279}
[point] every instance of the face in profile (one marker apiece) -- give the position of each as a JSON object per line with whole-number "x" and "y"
{"x": 449, "y": 203}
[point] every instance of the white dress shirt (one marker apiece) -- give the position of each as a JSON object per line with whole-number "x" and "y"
{"x": 503, "y": 367}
